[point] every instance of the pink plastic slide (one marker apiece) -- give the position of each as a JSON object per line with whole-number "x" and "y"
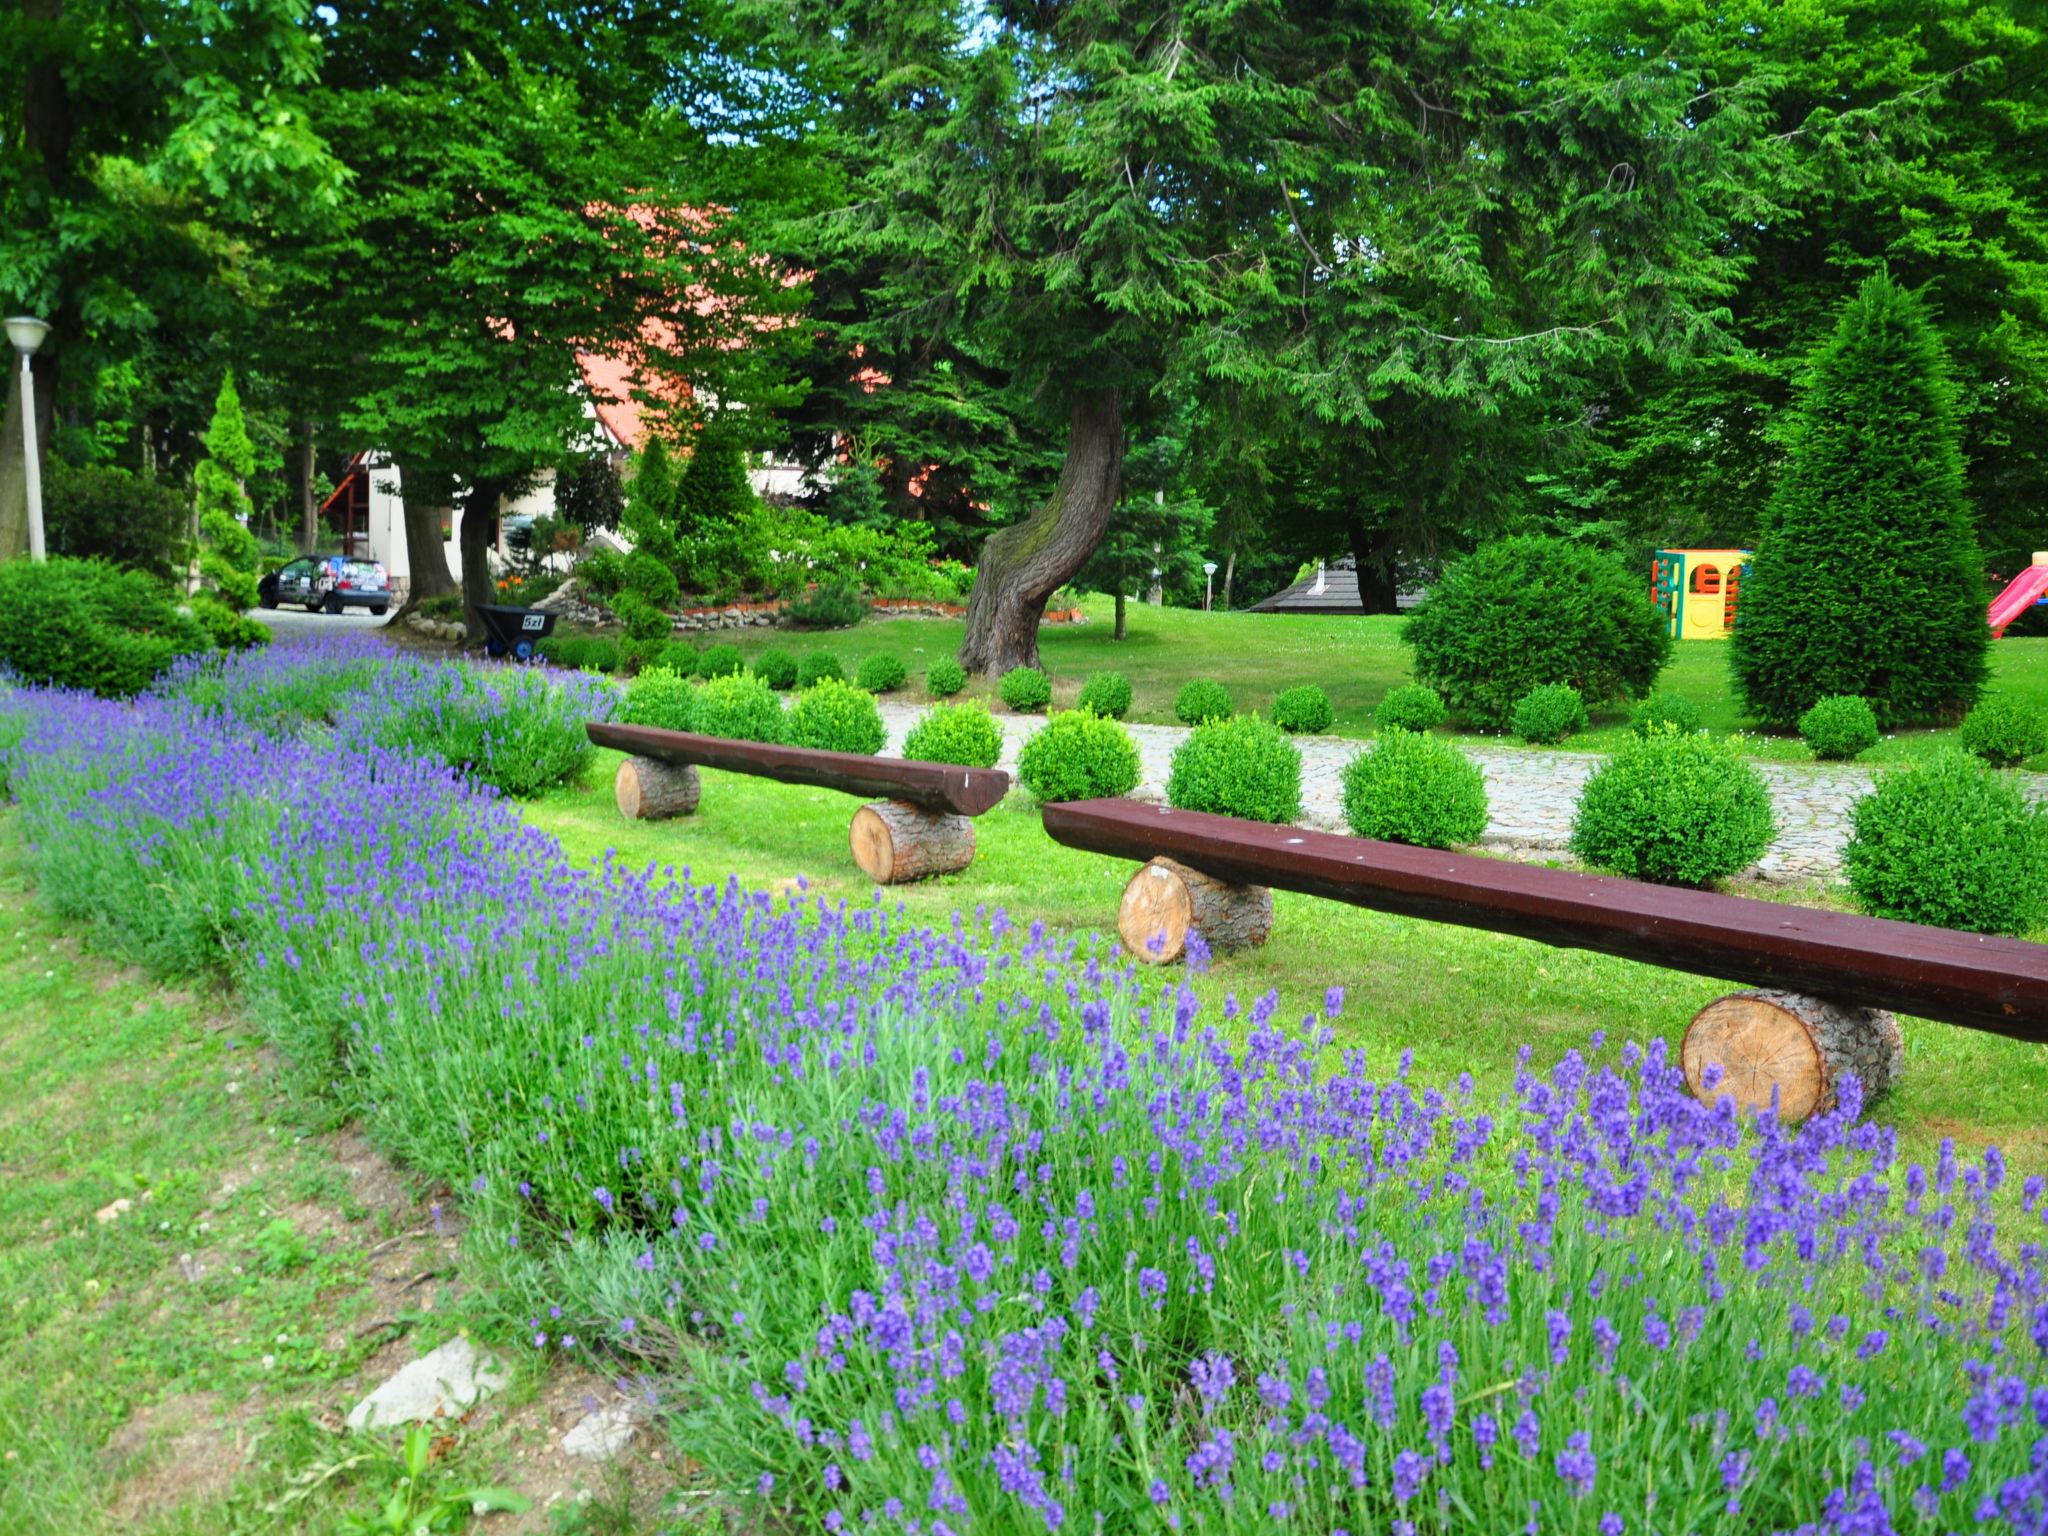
{"x": 2018, "y": 595}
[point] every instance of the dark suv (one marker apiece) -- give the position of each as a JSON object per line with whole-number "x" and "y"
{"x": 327, "y": 584}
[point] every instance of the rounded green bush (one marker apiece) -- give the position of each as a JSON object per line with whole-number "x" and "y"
{"x": 1951, "y": 843}
{"x": 1675, "y": 808}
{"x": 1242, "y": 766}
{"x": 740, "y": 707}
{"x": 652, "y": 579}
{"x": 1410, "y": 707}
{"x": 1304, "y": 710}
{"x": 2004, "y": 734}
{"x": 1409, "y": 787}
{"x": 776, "y": 667}
{"x": 834, "y": 715}
{"x": 1841, "y": 726}
{"x": 1199, "y": 701}
{"x": 86, "y": 624}
{"x": 638, "y": 655}
{"x": 601, "y": 574}
{"x": 661, "y": 698}
{"x": 679, "y": 657}
{"x": 600, "y": 654}
{"x": 962, "y": 733}
{"x": 1662, "y": 710}
{"x": 1549, "y": 714}
{"x": 1079, "y": 755}
{"x": 816, "y": 666}
{"x": 944, "y": 678}
{"x": 1108, "y": 694}
{"x": 1521, "y": 612}
{"x": 640, "y": 618}
{"x": 563, "y": 650}
{"x": 722, "y": 660}
{"x": 1025, "y": 689}
{"x": 881, "y": 674}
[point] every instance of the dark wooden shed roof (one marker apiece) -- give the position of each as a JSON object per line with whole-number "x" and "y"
{"x": 1339, "y": 594}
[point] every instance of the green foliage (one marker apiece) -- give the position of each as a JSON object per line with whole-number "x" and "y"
{"x": 1867, "y": 579}
{"x": 661, "y": 698}
{"x": 1410, "y": 707}
{"x": 1840, "y": 727}
{"x": 2003, "y": 733}
{"x": 651, "y": 579}
{"x": 86, "y": 624}
{"x": 815, "y": 666}
{"x": 1410, "y": 787}
{"x": 228, "y": 629}
{"x": 777, "y": 668}
{"x": 1078, "y": 755}
{"x": 962, "y": 733}
{"x": 650, "y": 513}
{"x": 602, "y": 574}
{"x": 98, "y": 512}
{"x": 588, "y": 495}
{"x": 837, "y": 716}
{"x": 881, "y": 673}
{"x": 721, "y": 660}
{"x": 714, "y": 490}
{"x": 600, "y": 653}
{"x": 1107, "y": 694}
{"x": 1677, "y": 809}
{"x": 1240, "y": 766}
{"x": 1549, "y": 714}
{"x": 679, "y": 657}
{"x": 640, "y": 618}
{"x": 518, "y": 729}
{"x": 1952, "y": 843}
{"x": 1025, "y": 689}
{"x": 228, "y": 553}
{"x": 836, "y": 605}
{"x": 944, "y": 678}
{"x": 1664, "y": 710}
{"x": 561, "y": 649}
{"x": 420, "y": 1501}
{"x": 740, "y": 707}
{"x": 1522, "y": 612}
{"x": 638, "y": 655}
{"x": 1303, "y": 710}
{"x": 1199, "y": 701}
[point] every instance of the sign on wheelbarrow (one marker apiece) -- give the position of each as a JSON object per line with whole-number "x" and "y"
{"x": 514, "y": 631}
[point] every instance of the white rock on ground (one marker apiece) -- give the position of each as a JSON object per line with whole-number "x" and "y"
{"x": 450, "y": 1381}
{"x": 600, "y": 1435}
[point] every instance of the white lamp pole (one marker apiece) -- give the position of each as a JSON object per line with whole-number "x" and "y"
{"x": 1208, "y": 583}
{"x": 27, "y": 334}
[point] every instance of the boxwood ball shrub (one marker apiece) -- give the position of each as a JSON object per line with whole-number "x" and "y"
{"x": 662, "y": 698}
{"x": 964, "y": 733}
{"x": 834, "y": 715}
{"x": 1199, "y": 701}
{"x": 85, "y": 624}
{"x": 721, "y": 660}
{"x": 2004, "y": 734}
{"x": 1410, "y": 707}
{"x": 881, "y": 673}
{"x": 944, "y": 678}
{"x": 562, "y": 650}
{"x": 741, "y": 707}
{"x": 600, "y": 653}
{"x": 1518, "y": 613}
{"x": 1303, "y": 710}
{"x": 1025, "y": 689}
{"x": 1409, "y": 787}
{"x": 1108, "y": 694}
{"x": 1549, "y": 714}
{"x": 1079, "y": 755}
{"x": 1839, "y": 727}
{"x": 816, "y": 666}
{"x": 1952, "y": 843}
{"x": 1665, "y": 710}
{"x": 640, "y": 618}
{"x": 679, "y": 657}
{"x": 1242, "y": 766}
{"x": 776, "y": 667}
{"x": 1674, "y": 808}
{"x": 651, "y": 579}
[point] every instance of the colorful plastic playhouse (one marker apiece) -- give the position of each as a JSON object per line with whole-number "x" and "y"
{"x": 1697, "y": 588}
{"x": 2020, "y": 594}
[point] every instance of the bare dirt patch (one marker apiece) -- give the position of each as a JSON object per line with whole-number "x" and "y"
{"x": 178, "y": 1451}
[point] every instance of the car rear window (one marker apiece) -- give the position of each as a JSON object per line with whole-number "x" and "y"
{"x": 362, "y": 570}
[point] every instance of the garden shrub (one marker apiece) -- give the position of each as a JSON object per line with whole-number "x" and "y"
{"x": 837, "y": 716}
{"x": 1108, "y": 694}
{"x": 1240, "y": 766}
{"x": 87, "y": 624}
{"x": 881, "y": 674}
{"x": 964, "y": 733}
{"x": 741, "y": 707}
{"x": 640, "y": 618}
{"x": 1303, "y": 710}
{"x": 1839, "y": 727}
{"x": 564, "y": 650}
{"x": 2004, "y": 734}
{"x": 600, "y": 654}
{"x": 651, "y": 579}
{"x": 1410, "y": 707}
{"x": 99, "y": 512}
{"x": 1025, "y": 689}
{"x": 1549, "y": 714}
{"x": 777, "y": 668}
{"x": 1199, "y": 701}
{"x": 944, "y": 678}
{"x": 679, "y": 657}
{"x": 225, "y": 627}
{"x": 721, "y": 660}
{"x": 1664, "y": 710}
{"x": 1952, "y": 843}
{"x": 601, "y": 574}
{"x": 661, "y": 698}
{"x": 1867, "y": 578}
{"x": 228, "y": 553}
{"x": 519, "y": 729}
{"x": 838, "y": 606}
{"x": 816, "y": 666}
{"x": 1521, "y": 612}
{"x": 1410, "y": 787}
{"x": 638, "y": 655}
{"x": 1674, "y": 808}
{"x": 1079, "y": 755}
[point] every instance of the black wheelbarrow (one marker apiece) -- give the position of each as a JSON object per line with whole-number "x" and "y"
{"x": 515, "y": 632}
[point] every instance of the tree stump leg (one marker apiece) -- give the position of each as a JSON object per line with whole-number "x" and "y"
{"x": 1166, "y": 899}
{"x": 895, "y": 841}
{"x": 1795, "y": 1046}
{"x": 650, "y": 791}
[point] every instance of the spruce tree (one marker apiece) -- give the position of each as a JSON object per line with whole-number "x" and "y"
{"x": 715, "y": 489}
{"x": 1867, "y": 578}
{"x": 650, "y": 515}
{"x": 228, "y": 556}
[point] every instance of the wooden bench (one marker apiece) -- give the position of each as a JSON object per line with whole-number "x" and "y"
{"x": 1828, "y": 980}
{"x": 923, "y": 825}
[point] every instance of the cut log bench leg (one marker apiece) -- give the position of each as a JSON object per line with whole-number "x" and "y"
{"x": 1797, "y": 1045}
{"x": 1166, "y": 899}
{"x": 650, "y": 791}
{"x": 895, "y": 841}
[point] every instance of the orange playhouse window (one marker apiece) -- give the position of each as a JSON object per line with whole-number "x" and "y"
{"x": 1706, "y": 580}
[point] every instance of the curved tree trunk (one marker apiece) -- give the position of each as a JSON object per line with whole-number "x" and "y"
{"x": 478, "y": 533}
{"x": 420, "y": 499}
{"x": 1023, "y": 565}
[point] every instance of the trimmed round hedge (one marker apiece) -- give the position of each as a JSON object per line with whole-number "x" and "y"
{"x": 1952, "y": 843}
{"x": 1199, "y": 701}
{"x": 816, "y": 666}
{"x": 956, "y": 733}
{"x": 661, "y": 698}
{"x": 1840, "y": 727}
{"x": 944, "y": 678}
{"x": 881, "y": 673}
{"x": 1025, "y": 689}
{"x": 1242, "y": 766}
{"x": 722, "y": 660}
{"x": 1547, "y": 715}
{"x": 836, "y": 716}
{"x": 651, "y": 579}
{"x": 1108, "y": 694}
{"x": 641, "y": 619}
{"x": 1675, "y": 808}
{"x": 1409, "y": 787}
{"x": 2004, "y": 734}
{"x": 777, "y": 668}
{"x": 1667, "y": 711}
{"x": 741, "y": 707}
{"x": 1303, "y": 710}
{"x": 1079, "y": 755}
{"x": 679, "y": 657}
{"x": 1410, "y": 707}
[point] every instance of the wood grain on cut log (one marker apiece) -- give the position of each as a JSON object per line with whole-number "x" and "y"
{"x": 895, "y": 841}
{"x": 1166, "y": 899}
{"x": 649, "y": 791}
{"x": 1797, "y": 1046}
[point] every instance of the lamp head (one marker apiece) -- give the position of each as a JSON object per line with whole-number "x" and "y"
{"x": 26, "y": 332}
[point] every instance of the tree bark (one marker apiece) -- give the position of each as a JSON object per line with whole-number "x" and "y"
{"x": 1372, "y": 556}
{"x": 425, "y": 551}
{"x": 309, "y": 506}
{"x": 1120, "y": 601}
{"x": 1229, "y": 574}
{"x": 1791, "y": 1049}
{"x": 479, "y": 531}
{"x": 895, "y": 842}
{"x": 646, "y": 790}
{"x": 1165, "y": 901}
{"x": 1023, "y": 565}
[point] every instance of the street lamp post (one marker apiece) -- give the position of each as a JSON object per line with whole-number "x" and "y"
{"x": 27, "y": 334}
{"x": 1208, "y": 583}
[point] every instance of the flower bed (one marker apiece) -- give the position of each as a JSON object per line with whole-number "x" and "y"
{"x": 959, "y": 1230}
